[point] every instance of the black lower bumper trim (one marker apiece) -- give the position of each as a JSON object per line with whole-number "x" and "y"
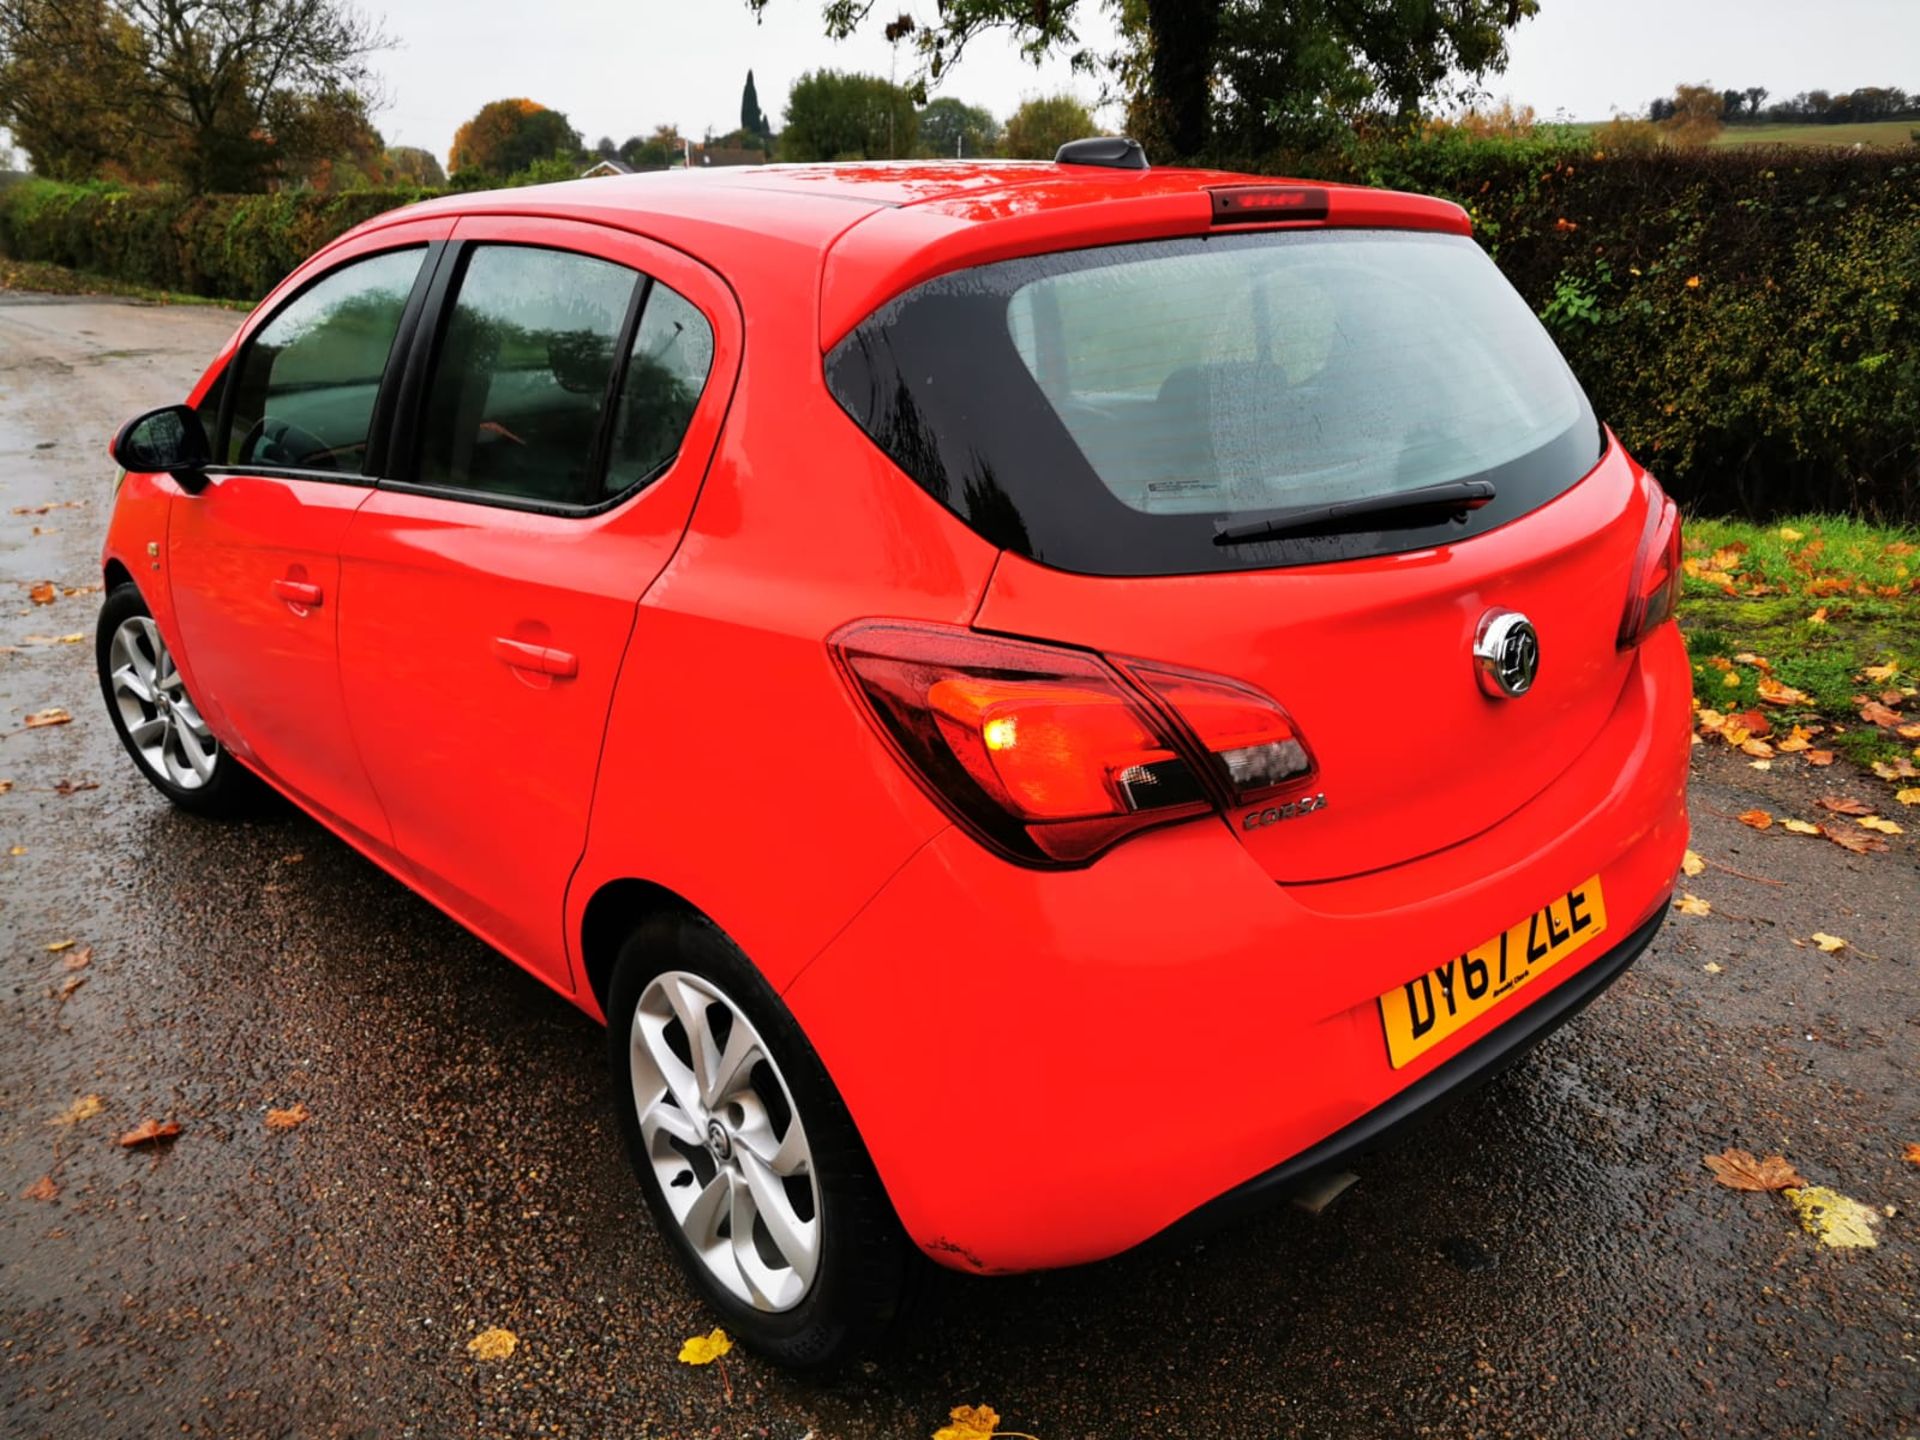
{"x": 1429, "y": 1094}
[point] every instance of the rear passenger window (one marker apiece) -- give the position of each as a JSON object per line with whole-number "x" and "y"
{"x": 304, "y": 389}
{"x": 672, "y": 353}
{"x": 522, "y": 376}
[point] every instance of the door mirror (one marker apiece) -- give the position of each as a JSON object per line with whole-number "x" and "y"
{"x": 170, "y": 439}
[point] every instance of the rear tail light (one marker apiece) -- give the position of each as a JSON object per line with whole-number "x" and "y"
{"x": 1050, "y": 755}
{"x": 1655, "y": 589}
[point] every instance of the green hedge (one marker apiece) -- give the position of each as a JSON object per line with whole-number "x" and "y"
{"x": 233, "y": 247}
{"x": 1748, "y": 320}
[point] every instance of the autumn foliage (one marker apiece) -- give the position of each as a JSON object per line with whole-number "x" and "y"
{"x": 506, "y": 136}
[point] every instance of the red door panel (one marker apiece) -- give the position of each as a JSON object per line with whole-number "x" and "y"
{"x": 480, "y": 645}
{"x": 255, "y": 566}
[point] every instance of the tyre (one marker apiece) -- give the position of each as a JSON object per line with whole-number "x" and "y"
{"x": 157, "y": 720}
{"x": 749, "y": 1160}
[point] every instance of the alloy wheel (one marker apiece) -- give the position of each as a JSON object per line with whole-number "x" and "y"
{"x": 719, "y": 1127}
{"x": 162, "y": 725}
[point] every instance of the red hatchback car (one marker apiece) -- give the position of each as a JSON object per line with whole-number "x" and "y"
{"x": 1041, "y": 702}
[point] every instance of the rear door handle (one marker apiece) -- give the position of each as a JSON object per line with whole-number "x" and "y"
{"x": 297, "y": 592}
{"x": 541, "y": 659}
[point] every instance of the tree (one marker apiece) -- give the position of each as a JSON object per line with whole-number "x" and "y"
{"x": 197, "y": 84}
{"x": 836, "y": 116}
{"x": 506, "y": 136}
{"x": 1755, "y": 96}
{"x": 1041, "y": 126}
{"x": 605, "y": 149}
{"x": 1236, "y": 75}
{"x": 1695, "y": 119}
{"x": 752, "y": 118}
{"x": 411, "y": 165}
{"x": 950, "y": 127}
{"x": 664, "y": 147}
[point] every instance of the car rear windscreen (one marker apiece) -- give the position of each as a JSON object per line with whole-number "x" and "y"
{"x": 1108, "y": 411}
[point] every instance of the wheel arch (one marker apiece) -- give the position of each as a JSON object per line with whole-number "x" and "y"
{"x": 116, "y": 574}
{"x": 611, "y": 915}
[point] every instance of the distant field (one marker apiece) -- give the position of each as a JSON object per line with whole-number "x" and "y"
{"x": 1873, "y": 132}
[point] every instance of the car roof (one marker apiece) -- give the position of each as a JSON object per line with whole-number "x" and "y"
{"x": 875, "y": 228}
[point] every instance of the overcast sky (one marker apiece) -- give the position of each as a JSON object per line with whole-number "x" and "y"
{"x": 620, "y": 67}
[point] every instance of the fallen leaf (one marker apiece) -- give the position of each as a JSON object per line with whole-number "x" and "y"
{"x": 1882, "y": 672}
{"x": 1731, "y": 680}
{"x": 294, "y": 1114}
{"x": 64, "y": 788}
{"x": 1820, "y": 757}
{"x": 1895, "y": 698}
{"x": 1787, "y": 533}
{"x": 1758, "y": 819}
{"x": 43, "y": 592}
{"x": 1758, "y": 748}
{"x": 73, "y": 639}
{"x": 493, "y": 1344}
{"x": 85, "y": 1108}
{"x": 1853, "y": 840}
{"x": 1800, "y": 739}
{"x": 52, "y": 715}
{"x": 1912, "y": 1153}
{"x": 1818, "y": 617}
{"x": 1710, "y": 722}
{"x": 41, "y": 1189}
{"x": 1741, "y": 1170}
{"x": 1844, "y": 805}
{"x": 1775, "y": 693}
{"x": 18, "y": 850}
{"x": 68, "y": 986}
{"x": 1691, "y": 904}
{"x": 1874, "y": 822}
{"x": 969, "y": 1422}
{"x": 1828, "y": 943}
{"x": 1799, "y": 827}
{"x": 58, "y": 945}
{"x": 1760, "y": 764}
{"x": 80, "y": 959}
{"x": 1909, "y": 732}
{"x": 1711, "y": 968}
{"x": 1899, "y": 768}
{"x": 1874, "y": 713}
{"x": 5, "y": 786}
{"x": 705, "y": 1349}
{"x": 1833, "y": 1219}
{"x": 1909, "y": 796}
{"x": 150, "y": 1132}
{"x": 1691, "y": 863}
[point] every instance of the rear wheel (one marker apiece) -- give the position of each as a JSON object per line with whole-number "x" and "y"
{"x": 157, "y": 720}
{"x": 749, "y": 1160}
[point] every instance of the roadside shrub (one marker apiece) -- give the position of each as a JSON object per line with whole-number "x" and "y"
{"x": 234, "y": 247}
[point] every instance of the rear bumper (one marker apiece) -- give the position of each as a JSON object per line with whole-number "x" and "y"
{"x": 1427, "y": 1096}
{"x": 1052, "y": 1067}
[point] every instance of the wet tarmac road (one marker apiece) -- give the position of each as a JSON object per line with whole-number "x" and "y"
{"x": 1549, "y": 1259}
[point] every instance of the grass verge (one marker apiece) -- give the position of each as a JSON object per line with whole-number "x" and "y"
{"x": 40, "y": 278}
{"x": 1810, "y": 622}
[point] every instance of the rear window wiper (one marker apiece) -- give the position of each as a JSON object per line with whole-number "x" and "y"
{"x": 1346, "y": 516}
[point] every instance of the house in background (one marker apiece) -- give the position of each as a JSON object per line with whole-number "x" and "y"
{"x": 606, "y": 167}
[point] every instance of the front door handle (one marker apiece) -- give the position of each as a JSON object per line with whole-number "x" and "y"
{"x": 541, "y": 659}
{"x": 297, "y": 592}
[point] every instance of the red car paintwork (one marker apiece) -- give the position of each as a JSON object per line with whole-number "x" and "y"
{"x": 544, "y": 722}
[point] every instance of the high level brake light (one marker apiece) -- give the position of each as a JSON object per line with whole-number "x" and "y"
{"x": 1053, "y": 755}
{"x": 1654, "y": 592}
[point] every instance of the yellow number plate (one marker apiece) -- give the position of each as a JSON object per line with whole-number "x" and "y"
{"x": 1430, "y": 1007}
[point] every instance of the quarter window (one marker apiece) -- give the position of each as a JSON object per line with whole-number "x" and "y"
{"x": 522, "y": 376}
{"x": 672, "y": 353}
{"x": 304, "y": 391}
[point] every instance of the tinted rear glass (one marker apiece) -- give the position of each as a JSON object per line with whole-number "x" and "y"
{"x": 1106, "y": 410}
